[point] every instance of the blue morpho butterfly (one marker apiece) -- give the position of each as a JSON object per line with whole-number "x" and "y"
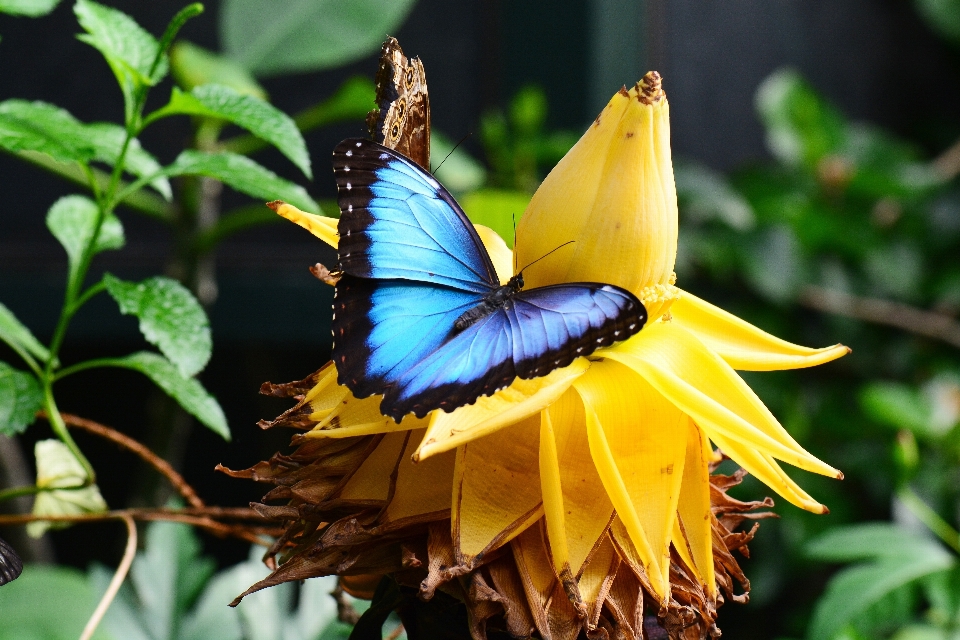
{"x": 419, "y": 313}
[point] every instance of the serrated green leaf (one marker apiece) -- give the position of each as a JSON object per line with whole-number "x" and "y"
{"x": 854, "y": 589}
{"x": 126, "y": 46}
{"x": 14, "y": 332}
{"x": 20, "y": 399}
{"x": 72, "y": 220}
{"x": 872, "y": 540}
{"x": 192, "y": 66}
{"x": 38, "y": 126}
{"x": 308, "y": 35}
{"x": 187, "y": 391}
{"x": 31, "y": 8}
{"x": 253, "y": 114}
{"x": 243, "y": 174}
{"x": 108, "y": 142}
{"x": 43, "y": 127}
{"x": 170, "y": 318}
{"x": 121, "y": 40}
{"x": 61, "y": 477}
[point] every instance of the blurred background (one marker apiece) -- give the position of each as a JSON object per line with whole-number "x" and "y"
{"x": 817, "y": 146}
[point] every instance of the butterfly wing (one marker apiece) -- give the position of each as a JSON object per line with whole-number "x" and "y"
{"x": 401, "y": 120}
{"x": 412, "y": 263}
{"x": 398, "y": 222}
{"x": 383, "y": 328}
{"x": 536, "y": 332}
{"x": 10, "y": 564}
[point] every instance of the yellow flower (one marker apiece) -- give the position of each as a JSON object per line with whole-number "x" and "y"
{"x": 613, "y": 451}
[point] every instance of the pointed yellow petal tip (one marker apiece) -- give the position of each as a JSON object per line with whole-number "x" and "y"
{"x": 321, "y": 226}
{"x": 614, "y": 195}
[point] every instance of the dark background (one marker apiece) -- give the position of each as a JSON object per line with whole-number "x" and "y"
{"x": 875, "y": 59}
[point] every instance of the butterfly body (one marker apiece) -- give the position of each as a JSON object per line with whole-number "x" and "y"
{"x": 420, "y": 315}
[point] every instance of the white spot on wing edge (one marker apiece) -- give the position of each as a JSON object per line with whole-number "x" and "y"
{"x": 350, "y": 152}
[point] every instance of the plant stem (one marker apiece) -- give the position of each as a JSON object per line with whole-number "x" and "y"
{"x": 60, "y": 428}
{"x": 116, "y": 582}
{"x": 940, "y": 527}
{"x": 16, "y": 492}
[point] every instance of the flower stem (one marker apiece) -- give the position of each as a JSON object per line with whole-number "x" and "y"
{"x": 940, "y": 527}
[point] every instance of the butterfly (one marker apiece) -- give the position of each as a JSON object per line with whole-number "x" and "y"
{"x": 401, "y": 120}
{"x": 10, "y": 564}
{"x": 419, "y": 312}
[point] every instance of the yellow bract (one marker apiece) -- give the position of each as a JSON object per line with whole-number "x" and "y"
{"x": 612, "y": 453}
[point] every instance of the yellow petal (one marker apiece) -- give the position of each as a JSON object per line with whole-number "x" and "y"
{"x": 517, "y": 402}
{"x": 371, "y": 481}
{"x": 767, "y": 471}
{"x": 422, "y": 488}
{"x": 500, "y": 253}
{"x": 702, "y": 385}
{"x": 576, "y": 505}
{"x": 743, "y": 345}
{"x": 637, "y": 440}
{"x": 496, "y": 491}
{"x": 693, "y": 509}
{"x": 614, "y": 194}
{"x": 321, "y": 226}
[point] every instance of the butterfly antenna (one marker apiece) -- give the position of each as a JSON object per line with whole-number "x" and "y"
{"x": 545, "y": 255}
{"x": 514, "y": 218}
{"x": 462, "y": 140}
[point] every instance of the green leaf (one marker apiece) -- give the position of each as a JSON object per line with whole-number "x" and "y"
{"x": 192, "y": 66}
{"x": 873, "y": 540}
{"x": 73, "y": 219}
{"x": 43, "y": 127}
{"x": 243, "y": 174}
{"x": 168, "y": 575}
{"x": 308, "y": 35}
{"x": 170, "y": 318}
{"x": 48, "y": 603}
{"x": 131, "y": 52}
{"x": 20, "y": 399}
{"x": 853, "y": 590}
{"x": 497, "y": 209}
{"x": 253, "y": 114}
{"x": 108, "y": 142}
{"x": 38, "y": 126}
{"x": 706, "y": 195}
{"x": 801, "y": 126}
{"x": 898, "y": 406}
{"x": 187, "y": 391}
{"x": 62, "y": 479}
{"x": 31, "y": 8}
{"x": 943, "y": 16}
{"x": 775, "y": 263}
{"x": 14, "y": 332}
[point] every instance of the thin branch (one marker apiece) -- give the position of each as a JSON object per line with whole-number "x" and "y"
{"x": 203, "y": 518}
{"x": 345, "y": 611}
{"x": 145, "y": 454}
{"x": 393, "y": 635}
{"x": 893, "y": 314}
{"x": 116, "y": 582}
